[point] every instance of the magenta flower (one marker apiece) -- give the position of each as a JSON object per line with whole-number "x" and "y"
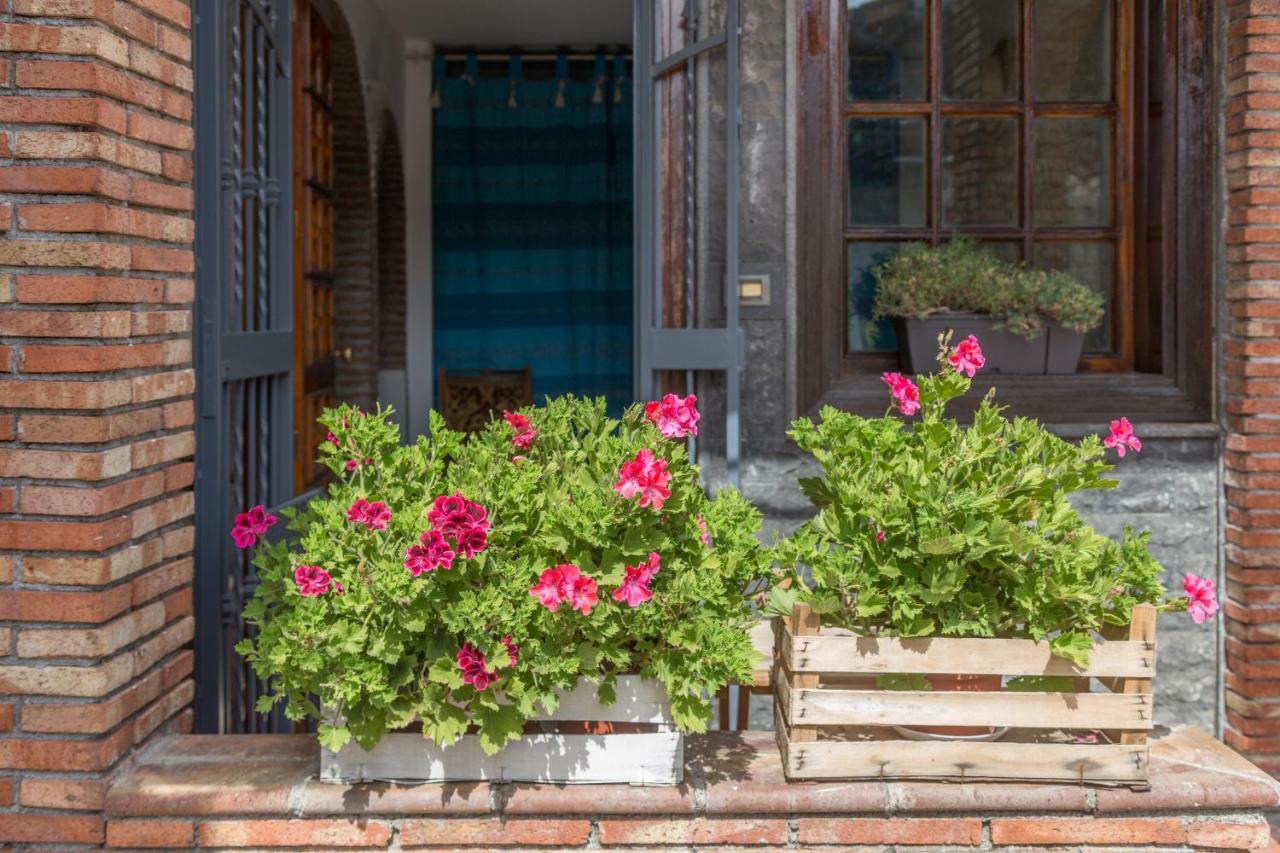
{"x": 432, "y": 553}
{"x": 904, "y": 391}
{"x": 373, "y": 515}
{"x": 562, "y": 583}
{"x": 879, "y": 535}
{"x": 646, "y": 476}
{"x": 524, "y": 431}
{"x": 470, "y": 541}
{"x": 311, "y": 580}
{"x": 675, "y": 416}
{"x": 352, "y": 465}
{"x": 1122, "y": 437}
{"x": 635, "y": 585}
{"x": 250, "y": 525}
{"x": 474, "y": 670}
{"x": 1202, "y": 598}
{"x": 332, "y": 439}
{"x": 967, "y": 357}
{"x": 451, "y": 514}
{"x": 704, "y": 534}
{"x": 513, "y": 651}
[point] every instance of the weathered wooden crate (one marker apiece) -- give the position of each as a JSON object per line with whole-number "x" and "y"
{"x": 1096, "y": 735}
{"x": 654, "y": 757}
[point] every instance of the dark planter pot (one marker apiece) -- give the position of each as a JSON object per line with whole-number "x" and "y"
{"x": 1057, "y": 351}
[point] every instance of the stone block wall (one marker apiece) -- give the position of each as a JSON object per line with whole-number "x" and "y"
{"x": 96, "y": 406}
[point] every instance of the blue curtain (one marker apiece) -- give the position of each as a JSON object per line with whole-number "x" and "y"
{"x": 531, "y": 193}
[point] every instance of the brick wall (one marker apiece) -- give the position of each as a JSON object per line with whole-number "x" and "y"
{"x": 1252, "y": 390}
{"x": 95, "y": 394}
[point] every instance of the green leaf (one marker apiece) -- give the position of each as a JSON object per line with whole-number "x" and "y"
{"x": 1073, "y": 646}
{"x": 780, "y": 602}
{"x": 498, "y": 727}
{"x": 265, "y": 703}
{"x": 333, "y": 738}
{"x": 1042, "y": 684}
{"x": 445, "y": 723}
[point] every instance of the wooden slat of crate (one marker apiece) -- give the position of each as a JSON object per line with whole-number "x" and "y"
{"x": 943, "y": 655}
{"x": 1106, "y": 764}
{"x": 827, "y": 707}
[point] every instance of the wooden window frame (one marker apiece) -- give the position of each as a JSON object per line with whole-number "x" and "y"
{"x": 1178, "y": 354}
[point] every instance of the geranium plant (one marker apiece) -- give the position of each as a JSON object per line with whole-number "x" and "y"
{"x": 461, "y": 581}
{"x": 927, "y": 527}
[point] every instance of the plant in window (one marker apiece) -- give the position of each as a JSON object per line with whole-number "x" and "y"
{"x": 1030, "y": 320}
{"x": 463, "y": 581}
{"x": 930, "y": 528}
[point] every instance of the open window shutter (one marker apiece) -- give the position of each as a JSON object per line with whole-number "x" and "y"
{"x": 687, "y": 124}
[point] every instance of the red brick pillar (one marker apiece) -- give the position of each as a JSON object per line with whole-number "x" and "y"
{"x": 96, "y": 406}
{"x": 1252, "y": 390}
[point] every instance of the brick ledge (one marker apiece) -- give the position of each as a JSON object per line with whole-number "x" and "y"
{"x": 274, "y": 776}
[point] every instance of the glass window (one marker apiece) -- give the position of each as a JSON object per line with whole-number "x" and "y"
{"x": 979, "y": 171}
{"x": 886, "y": 171}
{"x": 886, "y": 50}
{"x": 981, "y": 49}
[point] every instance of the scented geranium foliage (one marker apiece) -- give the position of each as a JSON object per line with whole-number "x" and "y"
{"x": 463, "y": 580}
{"x": 927, "y": 527}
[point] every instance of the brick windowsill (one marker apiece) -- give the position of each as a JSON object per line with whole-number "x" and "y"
{"x": 260, "y": 791}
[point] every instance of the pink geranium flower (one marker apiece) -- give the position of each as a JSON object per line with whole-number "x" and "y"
{"x": 904, "y": 391}
{"x": 675, "y": 416}
{"x": 967, "y": 357}
{"x": 451, "y": 514}
{"x": 562, "y": 583}
{"x": 373, "y": 515}
{"x": 250, "y": 525}
{"x": 879, "y": 535}
{"x": 332, "y": 439}
{"x": 704, "y": 534}
{"x": 635, "y": 585}
{"x": 1202, "y": 598}
{"x": 432, "y": 552}
{"x": 524, "y": 431}
{"x": 513, "y": 651}
{"x": 470, "y": 541}
{"x": 311, "y": 580}
{"x": 647, "y": 476}
{"x": 474, "y": 668}
{"x": 1122, "y": 438}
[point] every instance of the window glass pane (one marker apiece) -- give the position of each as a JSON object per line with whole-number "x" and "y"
{"x": 1091, "y": 263}
{"x": 980, "y": 50}
{"x": 980, "y": 171}
{"x": 1073, "y": 50}
{"x": 1006, "y": 250}
{"x": 886, "y": 171}
{"x": 863, "y": 258}
{"x": 886, "y": 50}
{"x": 1073, "y": 172}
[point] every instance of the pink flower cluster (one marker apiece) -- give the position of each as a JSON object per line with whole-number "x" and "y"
{"x": 373, "y": 515}
{"x": 1122, "y": 438}
{"x": 675, "y": 416}
{"x": 1202, "y": 598}
{"x": 250, "y": 525}
{"x": 464, "y": 522}
{"x": 475, "y": 669}
{"x": 313, "y": 581}
{"x": 904, "y": 391}
{"x": 967, "y": 357}
{"x": 704, "y": 534}
{"x": 647, "y": 476}
{"x": 524, "y": 431}
{"x": 432, "y": 553}
{"x": 635, "y": 585}
{"x": 565, "y": 582}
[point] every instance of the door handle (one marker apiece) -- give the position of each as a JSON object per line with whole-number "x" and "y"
{"x": 343, "y": 353}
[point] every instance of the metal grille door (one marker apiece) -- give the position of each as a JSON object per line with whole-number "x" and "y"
{"x": 244, "y": 327}
{"x": 687, "y": 126}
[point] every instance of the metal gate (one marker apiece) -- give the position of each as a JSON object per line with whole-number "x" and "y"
{"x": 681, "y": 47}
{"x": 244, "y": 327}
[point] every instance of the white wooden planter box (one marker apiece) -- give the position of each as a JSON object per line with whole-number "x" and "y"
{"x": 648, "y": 758}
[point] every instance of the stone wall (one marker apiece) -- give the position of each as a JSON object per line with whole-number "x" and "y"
{"x": 96, "y": 385}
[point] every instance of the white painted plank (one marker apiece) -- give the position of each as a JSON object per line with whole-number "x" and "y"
{"x": 900, "y": 759}
{"x": 654, "y": 758}
{"x": 640, "y": 700}
{"x": 827, "y": 707}
{"x": 944, "y": 655}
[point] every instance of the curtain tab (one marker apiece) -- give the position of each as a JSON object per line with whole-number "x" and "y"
{"x": 437, "y": 80}
{"x": 597, "y": 97}
{"x": 515, "y": 67}
{"x": 619, "y": 74}
{"x": 562, "y": 78}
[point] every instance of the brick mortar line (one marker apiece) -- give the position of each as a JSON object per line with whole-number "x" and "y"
{"x": 130, "y": 107}
{"x": 56, "y": 20}
{"x": 132, "y": 646}
{"x": 87, "y": 130}
{"x": 86, "y": 162}
{"x": 53, "y": 197}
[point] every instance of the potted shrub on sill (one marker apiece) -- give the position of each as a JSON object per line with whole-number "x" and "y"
{"x": 515, "y": 595}
{"x": 1029, "y": 321}
{"x": 948, "y": 558}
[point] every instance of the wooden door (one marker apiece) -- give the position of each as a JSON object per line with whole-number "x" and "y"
{"x": 313, "y": 267}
